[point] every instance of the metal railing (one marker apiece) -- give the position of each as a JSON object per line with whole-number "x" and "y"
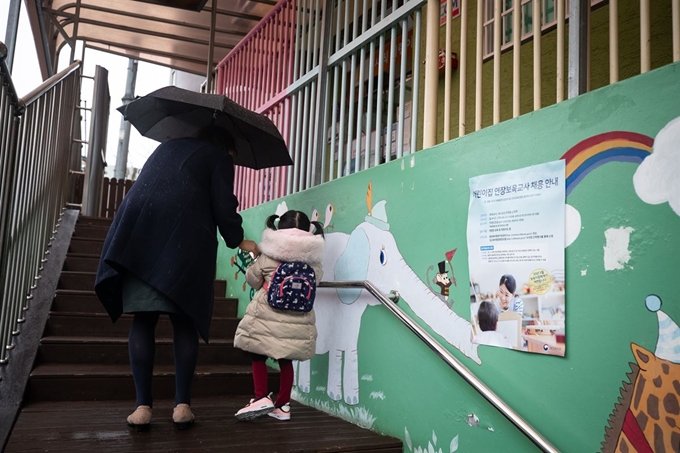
{"x": 453, "y": 362}
{"x": 345, "y": 80}
{"x": 36, "y": 138}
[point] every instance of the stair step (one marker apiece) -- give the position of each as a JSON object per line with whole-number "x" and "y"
{"x": 90, "y": 231}
{"x": 89, "y": 246}
{"x": 84, "y": 220}
{"x": 84, "y": 281}
{"x": 89, "y": 382}
{"x": 114, "y": 351}
{"x": 75, "y": 301}
{"x": 79, "y": 262}
{"x": 100, "y": 325}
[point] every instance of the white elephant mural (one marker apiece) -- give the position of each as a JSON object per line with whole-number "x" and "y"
{"x": 370, "y": 253}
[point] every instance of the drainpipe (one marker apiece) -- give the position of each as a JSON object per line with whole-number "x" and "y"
{"x": 124, "y": 136}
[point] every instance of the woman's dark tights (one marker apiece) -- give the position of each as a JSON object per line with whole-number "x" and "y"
{"x": 142, "y": 347}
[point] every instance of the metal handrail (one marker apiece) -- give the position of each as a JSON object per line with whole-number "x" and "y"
{"x": 50, "y": 83}
{"x": 453, "y": 362}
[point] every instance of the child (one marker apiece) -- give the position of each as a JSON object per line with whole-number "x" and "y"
{"x": 487, "y": 317}
{"x": 283, "y": 335}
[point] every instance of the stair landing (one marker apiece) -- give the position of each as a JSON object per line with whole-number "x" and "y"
{"x": 89, "y": 426}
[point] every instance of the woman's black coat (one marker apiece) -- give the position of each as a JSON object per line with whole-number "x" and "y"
{"x": 164, "y": 232}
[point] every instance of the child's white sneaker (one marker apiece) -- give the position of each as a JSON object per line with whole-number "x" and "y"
{"x": 281, "y": 413}
{"x": 256, "y": 408}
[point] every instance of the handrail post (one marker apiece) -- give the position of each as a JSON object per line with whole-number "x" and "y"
{"x": 94, "y": 168}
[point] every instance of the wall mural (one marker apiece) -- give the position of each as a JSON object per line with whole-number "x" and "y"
{"x": 370, "y": 252}
{"x": 646, "y": 417}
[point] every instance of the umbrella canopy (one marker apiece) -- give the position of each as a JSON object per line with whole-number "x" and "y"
{"x": 173, "y": 112}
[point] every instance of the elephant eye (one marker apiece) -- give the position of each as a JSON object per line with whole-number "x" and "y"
{"x": 383, "y": 257}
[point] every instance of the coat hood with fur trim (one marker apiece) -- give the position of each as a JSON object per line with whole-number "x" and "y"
{"x": 292, "y": 244}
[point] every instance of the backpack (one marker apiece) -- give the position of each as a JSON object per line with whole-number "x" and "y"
{"x": 292, "y": 287}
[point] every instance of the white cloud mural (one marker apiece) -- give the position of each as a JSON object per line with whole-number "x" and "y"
{"x": 657, "y": 179}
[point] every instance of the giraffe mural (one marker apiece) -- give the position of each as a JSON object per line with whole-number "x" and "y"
{"x": 646, "y": 418}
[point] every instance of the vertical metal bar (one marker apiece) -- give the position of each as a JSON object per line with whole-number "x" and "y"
{"x": 371, "y": 77}
{"x": 351, "y": 122}
{"x": 360, "y": 108}
{"x": 381, "y": 89}
{"x": 497, "y": 61}
{"x": 537, "y": 19}
{"x": 402, "y": 90}
{"x": 76, "y": 21}
{"x": 447, "y": 73}
{"x": 613, "y": 41}
{"x": 478, "y": 65}
{"x": 11, "y": 31}
{"x": 431, "y": 75}
{"x": 298, "y": 145}
{"x": 675, "y": 14}
{"x": 310, "y": 117}
{"x": 415, "y": 106}
{"x": 321, "y": 112}
{"x": 559, "y": 95}
{"x": 390, "y": 94}
{"x": 516, "y": 56}
{"x": 645, "y": 37}
{"x": 462, "y": 69}
{"x": 309, "y": 51}
{"x": 211, "y": 46}
{"x": 292, "y": 140}
{"x": 578, "y": 46}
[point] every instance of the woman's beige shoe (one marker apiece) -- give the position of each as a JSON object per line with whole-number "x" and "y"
{"x": 182, "y": 416}
{"x": 140, "y": 418}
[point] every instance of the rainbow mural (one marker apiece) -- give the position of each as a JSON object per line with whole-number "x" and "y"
{"x": 593, "y": 152}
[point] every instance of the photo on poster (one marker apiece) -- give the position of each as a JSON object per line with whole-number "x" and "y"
{"x": 515, "y": 234}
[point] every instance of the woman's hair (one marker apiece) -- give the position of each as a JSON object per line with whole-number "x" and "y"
{"x": 294, "y": 219}
{"x": 487, "y": 316}
{"x": 509, "y": 282}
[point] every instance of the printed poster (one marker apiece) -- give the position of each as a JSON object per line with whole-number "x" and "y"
{"x": 515, "y": 233}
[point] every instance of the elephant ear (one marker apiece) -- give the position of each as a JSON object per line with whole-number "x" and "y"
{"x": 353, "y": 264}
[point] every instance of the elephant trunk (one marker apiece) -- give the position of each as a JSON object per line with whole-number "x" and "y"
{"x": 427, "y": 306}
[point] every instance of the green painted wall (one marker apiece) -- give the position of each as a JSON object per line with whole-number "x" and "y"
{"x": 404, "y": 387}
{"x": 629, "y": 57}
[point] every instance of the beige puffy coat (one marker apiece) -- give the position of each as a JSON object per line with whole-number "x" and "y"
{"x": 280, "y": 334}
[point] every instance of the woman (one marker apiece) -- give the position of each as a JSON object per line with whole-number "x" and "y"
{"x": 508, "y": 300}
{"x": 160, "y": 257}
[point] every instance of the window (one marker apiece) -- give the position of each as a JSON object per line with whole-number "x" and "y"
{"x": 548, "y": 19}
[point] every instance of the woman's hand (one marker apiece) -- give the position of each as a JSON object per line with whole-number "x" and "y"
{"x": 250, "y": 246}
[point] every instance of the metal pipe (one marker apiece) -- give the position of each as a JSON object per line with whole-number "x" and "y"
{"x": 645, "y": 37}
{"x": 447, "y": 74}
{"x": 49, "y": 83}
{"x": 675, "y": 14}
{"x": 479, "y": 60}
{"x": 559, "y": 94}
{"x": 415, "y": 106}
{"x": 11, "y": 32}
{"x": 371, "y": 77}
{"x": 516, "y": 54}
{"x": 211, "y": 46}
{"x": 391, "y": 304}
{"x": 462, "y": 69}
{"x": 578, "y": 47}
{"x": 497, "y": 62}
{"x": 402, "y": 91}
{"x": 390, "y": 97}
{"x": 537, "y": 19}
{"x": 613, "y": 41}
{"x": 431, "y": 75}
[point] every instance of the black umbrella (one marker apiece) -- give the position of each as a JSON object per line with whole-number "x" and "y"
{"x": 173, "y": 112}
